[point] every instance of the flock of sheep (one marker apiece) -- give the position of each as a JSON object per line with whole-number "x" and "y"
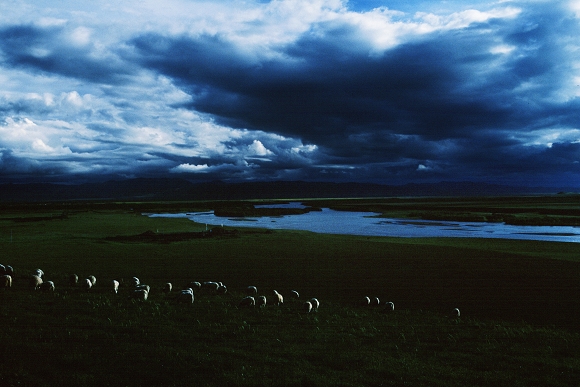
{"x": 141, "y": 291}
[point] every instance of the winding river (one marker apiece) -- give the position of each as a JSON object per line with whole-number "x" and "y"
{"x": 367, "y": 223}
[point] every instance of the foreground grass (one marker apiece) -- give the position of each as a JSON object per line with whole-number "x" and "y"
{"x": 519, "y": 303}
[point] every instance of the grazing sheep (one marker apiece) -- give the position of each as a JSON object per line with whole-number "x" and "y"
{"x": 167, "y": 287}
{"x": 278, "y": 299}
{"x": 93, "y": 280}
{"x": 39, "y": 273}
{"x": 247, "y": 301}
{"x": 2, "y": 269}
{"x": 375, "y": 302}
{"x": 35, "y": 282}
{"x": 10, "y": 270}
{"x": 140, "y": 294}
{"x": 210, "y": 285}
{"x": 186, "y": 296}
{"x": 365, "y": 301}
{"x": 143, "y": 287}
{"x": 86, "y": 284}
{"x": 455, "y": 313}
{"x": 5, "y": 281}
{"x": 315, "y": 304}
{"x": 47, "y": 286}
{"x": 294, "y": 294}
{"x": 222, "y": 289}
{"x": 251, "y": 290}
{"x": 135, "y": 281}
{"x": 195, "y": 285}
{"x": 389, "y": 307}
{"x": 115, "y": 285}
{"x": 73, "y": 279}
{"x": 307, "y": 307}
{"x": 261, "y": 301}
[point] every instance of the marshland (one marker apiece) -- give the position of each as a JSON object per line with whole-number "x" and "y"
{"x": 519, "y": 300}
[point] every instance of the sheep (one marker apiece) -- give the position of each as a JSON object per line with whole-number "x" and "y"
{"x": 10, "y": 270}
{"x": 47, "y": 286}
{"x": 135, "y": 281}
{"x": 247, "y": 301}
{"x": 5, "y": 281}
{"x": 389, "y": 307}
{"x": 93, "y": 280}
{"x": 35, "y": 282}
{"x": 222, "y": 289}
{"x": 115, "y": 285}
{"x": 251, "y": 290}
{"x": 365, "y": 301}
{"x": 39, "y": 273}
{"x": 210, "y": 285}
{"x": 375, "y": 302}
{"x": 73, "y": 279}
{"x": 315, "y": 304}
{"x": 2, "y": 270}
{"x": 307, "y": 307}
{"x": 140, "y": 294}
{"x": 195, "y": 285}
{"x": 261, "y": 302}
{"x": 143, "y": 287}
{"x": 186, "y": 296}
{"x": 278, "y": 299}
{"x": 167, "y": 287}
{"x": 86, "y": 284}
{"x": 455, "y": 313}
{"x": 294, "y": 294}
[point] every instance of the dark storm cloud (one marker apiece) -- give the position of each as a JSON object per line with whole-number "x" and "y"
{"x": 427, "y": 100}
{"x": 49, "y": 50}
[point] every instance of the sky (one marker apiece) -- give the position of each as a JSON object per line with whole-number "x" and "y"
{"x": 379, "y": 91}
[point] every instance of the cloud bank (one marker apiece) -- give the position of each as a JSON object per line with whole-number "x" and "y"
{"x": 322, "y": 90}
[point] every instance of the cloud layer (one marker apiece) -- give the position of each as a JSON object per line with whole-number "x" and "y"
{"x": 313, "y": 90}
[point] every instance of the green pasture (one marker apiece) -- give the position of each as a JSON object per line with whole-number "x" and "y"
{"x": 520, "y": 305}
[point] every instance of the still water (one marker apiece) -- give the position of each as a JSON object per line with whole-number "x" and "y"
{"x": 366, "y": 223}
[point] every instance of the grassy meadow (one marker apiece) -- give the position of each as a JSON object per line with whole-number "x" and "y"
{"x": 519, "y": 302}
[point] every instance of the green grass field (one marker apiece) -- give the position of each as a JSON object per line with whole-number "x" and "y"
{"x": 520, "y": 304}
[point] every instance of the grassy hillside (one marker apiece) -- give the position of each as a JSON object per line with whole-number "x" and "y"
{"x": 519, "y": 302}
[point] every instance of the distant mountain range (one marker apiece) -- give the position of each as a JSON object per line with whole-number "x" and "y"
{"x": 146, "y": 189}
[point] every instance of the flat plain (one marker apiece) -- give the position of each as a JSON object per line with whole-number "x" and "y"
{"x": 519, "y": 302}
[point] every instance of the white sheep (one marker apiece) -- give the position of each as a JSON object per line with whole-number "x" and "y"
{"x": 167, "y": 287}
{"x": 93, "y": 280}
{"x": 39, "y": 273}
{"x": 135, "y": 281}
{"x": 247, "y": 301}
{"x": 5, "y": 281}
{"x": 2, "y": 269}
{"x": 195, "y": 285}
{"x": 222, "y": 289}
{"x": 307, "y": 307}
{"x": 455, "y": 313}
{"x": 86, "y": 284}
{"x": 315, "y": 304}
{"x": 365, "y": 301}
{"x": 47, "y": 286}
{"x": 10, "y": 270}
{"x": 73, "y": 279}
{"x": 294, "y": 294}
{"x": 186, "y": 296}
{"x": 389, "y": 307}
{"x": 210, "y": 285}
{"x": 261, "y": 302}
{"x": 143, "y": 287}
{"x": 375, "y": 301}
{"x": 115, "y": 285}
{"x": 278, "y": 298}
{"x": 140, "y": 294}
{"x": 251, "y": 290}
{"x": 35, "y": 282}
